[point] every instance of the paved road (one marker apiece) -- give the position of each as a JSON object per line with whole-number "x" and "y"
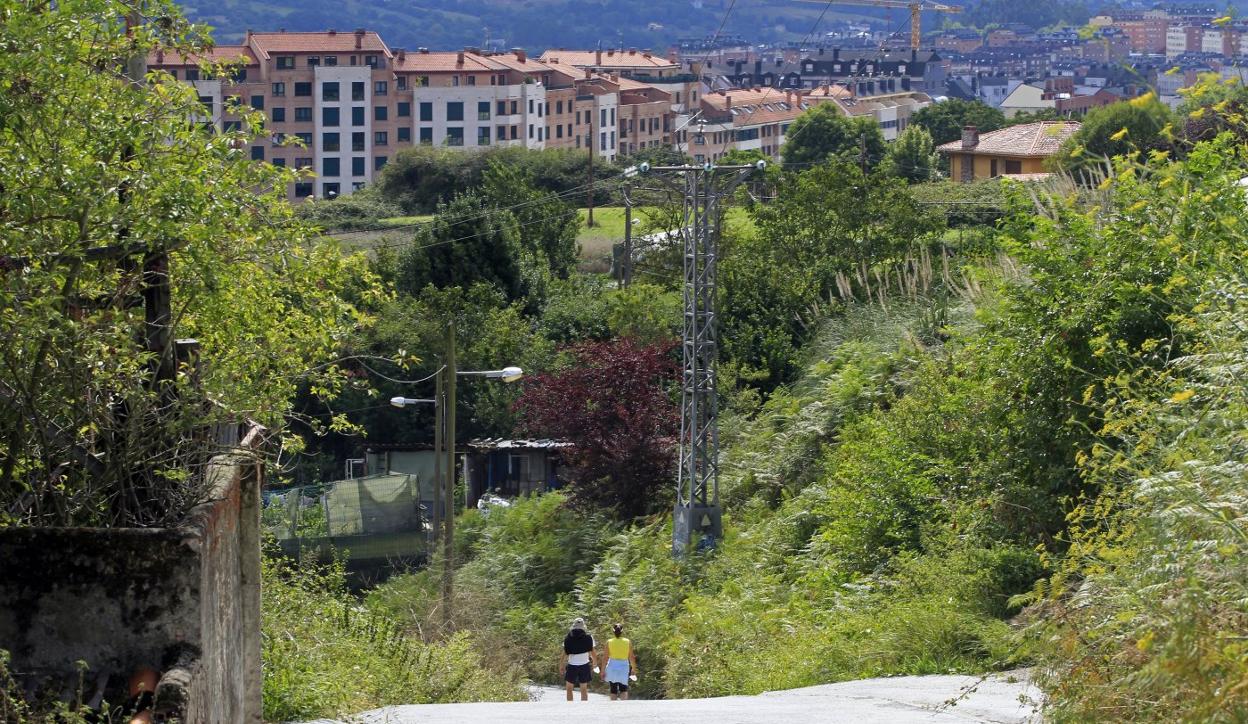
{"x": 1000, "y": 699}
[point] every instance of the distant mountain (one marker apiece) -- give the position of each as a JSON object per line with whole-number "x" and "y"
{"x": 532, "y": 24}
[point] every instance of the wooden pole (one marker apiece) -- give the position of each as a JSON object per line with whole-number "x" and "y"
{"x": 435, "y": 515}
{"x": 589, "y": 194}
{"x": 448, "y": 558}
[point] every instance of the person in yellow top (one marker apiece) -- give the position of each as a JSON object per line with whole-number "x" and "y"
{"x": 621, "y": 664}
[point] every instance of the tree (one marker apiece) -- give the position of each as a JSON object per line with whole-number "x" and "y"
{"x": 466, "y": 243}
{"x": 612, "y": 404}
{"x": 125, "y": 226}
{"x": 546, "y": 224}
{"x": 912, "y": 156}
{"x": 822, "y": 133}
{"x": 1115, "y": 130}
{"x": 944, "y": 120}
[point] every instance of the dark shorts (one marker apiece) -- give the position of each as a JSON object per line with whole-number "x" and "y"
{"x": 619, "y": 688}
{"x": 578, "y": 674}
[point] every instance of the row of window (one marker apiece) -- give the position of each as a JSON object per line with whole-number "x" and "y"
{"x": 331, "y": 90}
{"x": 330, "y": 166}
{"x": 287, "y": 62}
{"x": 332, "y": 141}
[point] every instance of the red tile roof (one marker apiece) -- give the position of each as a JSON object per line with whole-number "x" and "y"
{"x": 1028, "y": 140}
{"x": 219, "y": 54}
{"x": 443, "y": 62}
{"x": 321, "y": 42}
{"x": 610, "y": 59}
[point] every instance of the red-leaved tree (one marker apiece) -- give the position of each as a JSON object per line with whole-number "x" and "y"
{"x": 612, "y": 404}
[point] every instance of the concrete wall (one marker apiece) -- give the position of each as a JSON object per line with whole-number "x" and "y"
{"x": 184, "y": 601}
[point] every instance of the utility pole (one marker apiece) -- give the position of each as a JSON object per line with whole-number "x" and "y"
{"x": 448, "y": 530}
{"x": 589, "y": 193}
{"x": 626, "y": 268}
{"x": 435, "y": 516}
{"x": 697, "y": 520}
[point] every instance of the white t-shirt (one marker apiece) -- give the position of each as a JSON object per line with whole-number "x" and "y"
{"x": 581, "y": 659}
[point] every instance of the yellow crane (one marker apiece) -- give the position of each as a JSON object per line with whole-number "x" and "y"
{"x": 916, "y": 8}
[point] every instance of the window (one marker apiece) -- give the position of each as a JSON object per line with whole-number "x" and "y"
{"x": 380, "y": 113}
{"x": 612, "y": 139}
{"x": 357, "y": 141}
{"x": 502, "y": 133}
{"x": 233, "y": 126}
{"x": 401, "y": 83}
{"x": 992, "y": 168}
{"x": 329, "y": 116}
{"x": 613, "y": 116}
{"x": 1013, "y": 166}
{"x": 381, "y": 138}
{"x": 330, "y": 142}
{"x": 372, "y": 61}
{"x": 329, "y": 91}
{"x": 208, "y": 103}
{"x": 602, "y": 142}
{"x": 379, "y": 162}
{"x": 257, "y": 153}
{"x": 357, "y": 166}
{"x": 305, "y": 139}
{"x": 277, "y": 115}
{"x": 603, "y": 113}
{"x": 303, "y": 190}
{"x": 530, "y": 130}
{"x": 515, "y": 132}
{"x": 518, "y": 467}
{"x": 502, "y": 108}
{"x": 455, "y": 81}
{"x": 314, "y": 60}
{"x": 381, "y": 87}
{"x": 330, "y": 166}
{"x": 455, "y": 111}
{"x": 559, "y": 131}
{"x": 558, "y": 107}
{"x": 426, "y": 112}
{"x": 483, "y": 110}
{"x": 472, "y": 80}
{"x": 515, "y": 105}
{"x": 357, "y": 90}
{"x": 483, "y": 136}
{"x": 530, "y": 106}
{"x": 455, "y": 136}
{"x": 331, "y": 190}
{"x": 405, "y": 135}
{"x": 357, "y": 115}
{"x": 404, "y": 110}
{"x": 279, "y": 89}
{"x": 426, "y": 136}
{"x": 285, "y": 62}
{"x": 303, "y": 115}
{"x": 279, "y": 162}
{"x": 541, "y": 132}
{"x": 303, "y": 89}
{"x": 304, "y": 162}
{"x": 331, "y": 60}
{"x": 192, "y": 74}
{"x": 422, "y": 81}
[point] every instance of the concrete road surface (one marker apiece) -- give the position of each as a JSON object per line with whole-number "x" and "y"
{"x": 1001, "y": 699}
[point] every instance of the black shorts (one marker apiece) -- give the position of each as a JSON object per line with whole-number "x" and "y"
{"x": 578, "y": 674}
{"x": 619, "y": 688}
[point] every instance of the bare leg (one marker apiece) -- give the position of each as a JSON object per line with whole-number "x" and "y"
{"x": 624, "y": 695}
{"x": 613, "y": 696}
{"x": 569, "y": 687}
{"x": 584, "y": 692}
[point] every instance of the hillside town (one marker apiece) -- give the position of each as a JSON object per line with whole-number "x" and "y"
{"x": 352, "y": 101}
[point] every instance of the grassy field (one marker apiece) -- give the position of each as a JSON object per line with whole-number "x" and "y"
{"x": 608, "y": 228}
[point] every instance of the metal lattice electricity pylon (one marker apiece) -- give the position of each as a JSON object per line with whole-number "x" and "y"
{"x": 697, "y": 518}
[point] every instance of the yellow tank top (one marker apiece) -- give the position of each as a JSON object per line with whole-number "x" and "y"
{"x": 618, "y": 648}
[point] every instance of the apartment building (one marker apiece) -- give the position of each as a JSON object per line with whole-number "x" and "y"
{"x": 467, "y": 100}
{"x": 643, "y": 66}
{"x": 332, "y": 91}
{"x": 741, "y": 119}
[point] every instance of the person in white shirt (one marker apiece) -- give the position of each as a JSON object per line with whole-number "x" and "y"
{"x": 579, "y": 661}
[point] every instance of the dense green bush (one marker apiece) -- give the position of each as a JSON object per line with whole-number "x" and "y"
{"x": 364, "y": 209}
{"x": 324, "y": 655}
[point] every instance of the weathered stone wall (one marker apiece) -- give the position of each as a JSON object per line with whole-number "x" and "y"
{"x": 184, "y": 601}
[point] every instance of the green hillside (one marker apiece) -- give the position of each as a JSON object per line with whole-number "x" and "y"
{"x": 533, "y": 24}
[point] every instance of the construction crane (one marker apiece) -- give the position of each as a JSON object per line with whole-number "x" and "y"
{"x": 916, "y": 9}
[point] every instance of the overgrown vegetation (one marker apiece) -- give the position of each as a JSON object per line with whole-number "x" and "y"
{"x": 324, "y": 655}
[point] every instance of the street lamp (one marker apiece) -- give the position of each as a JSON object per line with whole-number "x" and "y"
{"x": 444, "y": 437}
